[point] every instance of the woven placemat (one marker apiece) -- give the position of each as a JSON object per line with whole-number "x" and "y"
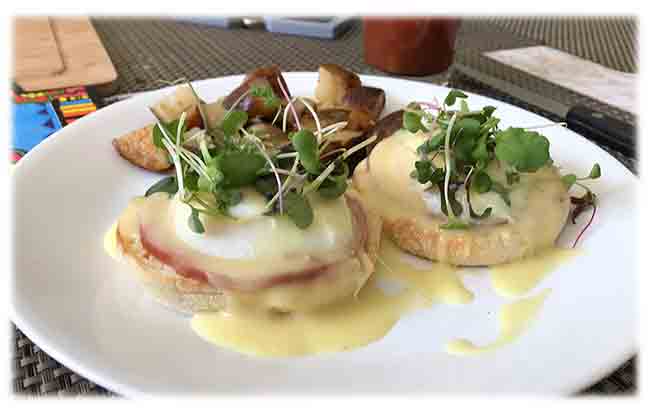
{"x": 490, "y": 35}
{"x": 146, "y": 50}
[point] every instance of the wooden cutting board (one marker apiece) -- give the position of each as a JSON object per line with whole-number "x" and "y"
{"x": 86, "y": 62}
{"x": 37, "y": 53}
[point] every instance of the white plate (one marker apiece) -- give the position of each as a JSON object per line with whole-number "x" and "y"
{"x": 79, "y": 306}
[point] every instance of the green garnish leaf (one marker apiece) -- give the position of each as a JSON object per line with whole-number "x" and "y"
{"x": 216, "y": 175}
{"x": 433, "y": 144}
{"x": 467, "y": 127}
{"x": 233, "y": 121}
{"x": 488, "y": 111}
{"x": 455, "y": 205}
{"x": 194, "y": 222}
{"x": 336, "y": 183}
{"x": 481, "y": 182}
{"x": 595, "y": 172}
{"x": 467, "y": 132}
{"x": 512, "y": 177}
{"x": 569, "y": 180}
{"x": 502, "y": 191}
{"x": 305, "y": 143}
{"x": 298, "y": 209}
{"x": 437, "y": 176}
{"x": 267, "y": 93}
{"x": 453, "y": 96}
{"x": 527, "y": 151}
{"x": 464, "y": 107}
{"x": 240, "y": 168}
{"x": 191, "y": 181}
{"x": 411, "y": 121}
{"x": 489, "y": 125}
{"x": 171, "y": 128}
{"x": 424, "y": 170}
{"x": 267, "y": 186}
{"x": 167, "y": 184}
{"x": 480, "y": 152}
{"x": 226, "y": 197}
{"x": 454, "y": 225}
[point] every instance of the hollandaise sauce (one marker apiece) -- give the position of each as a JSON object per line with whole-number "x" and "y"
{"x": 400, "y": 285}
{"x": 514, "y": 319}
{"x": 516, "y": 279}
{"x": 437, "y": 282}
{"x": 397, "y": 288}
{"x": 111, "y": 242}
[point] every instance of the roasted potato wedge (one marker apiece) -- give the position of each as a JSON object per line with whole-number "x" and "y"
{"x": 256, "y": 106}
{"x": 214, "y": 112}
{"x": 328, "y": 117}
{"x": 272, "y": 136}
{"x": 366, "y": 104}
{"x": 171, "y": 107}
{"x": 334, "y": 83}
{"x": 388, "y": 125}
{"x": 300, "y": 110}
{"x": 138, "y": 148}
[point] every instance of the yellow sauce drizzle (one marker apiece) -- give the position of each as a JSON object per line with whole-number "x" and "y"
{"x": 375, "y": 311}
{"x": 336, "y": 328}
{"x": 514, "y": 319}
{"x": 353, "y": 324}
{"x": 516, "y": 279}
{"x": 111, "y": 242}
{"x": 438, "y": 282}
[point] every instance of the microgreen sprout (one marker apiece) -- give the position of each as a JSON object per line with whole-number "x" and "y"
{"x": 286, "y": 95}
{"x": 469, "y": 141}
{"x": 266, "y": 93}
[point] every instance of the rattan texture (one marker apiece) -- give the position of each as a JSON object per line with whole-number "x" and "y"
{"x": 147, "y": 52}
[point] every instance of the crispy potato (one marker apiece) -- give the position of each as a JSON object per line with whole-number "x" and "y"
{"x": 334, "y": 82}
{"x": 366, "y": 104}
{"x": 137, "y": 147}
{"x": 360, "y": 120}
{"x": 255, "y": 106}
{"x": 300, "y": 110}
{"x": 328, "y": 117}
{"x": 270, "y": 135}
{"x": 214, "y": 112}
{"x": 388, "y": 125}
{"x": 171, "y": 107}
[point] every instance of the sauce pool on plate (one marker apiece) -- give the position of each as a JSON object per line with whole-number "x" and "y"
{"x": 399, "y": 286}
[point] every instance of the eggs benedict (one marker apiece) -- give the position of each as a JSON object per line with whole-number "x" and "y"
{"x": 451, "y": 186}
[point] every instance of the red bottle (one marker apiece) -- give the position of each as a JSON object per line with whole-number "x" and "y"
{"x": 410, "y": 46}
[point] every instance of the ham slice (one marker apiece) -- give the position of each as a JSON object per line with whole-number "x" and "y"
{"x": 160, "y": 243}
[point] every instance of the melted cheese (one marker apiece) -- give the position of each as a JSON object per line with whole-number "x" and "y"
{"x": 518, "y": 278}
{"x": 514, "y": 319}
{"x": 253, "y": 236}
